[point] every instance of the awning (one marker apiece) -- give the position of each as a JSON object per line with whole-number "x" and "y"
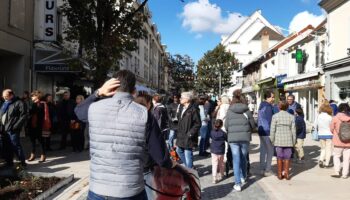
{"x": 265, "y": 81}
{"x": 301, "y": 85}
{"x": 301, "y": 76}
{"x": 144, "y": 88}
{"x": 247, "y": 89}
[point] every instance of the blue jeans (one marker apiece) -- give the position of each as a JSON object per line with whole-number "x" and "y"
{"x": 186, "y": 156}
{"x": 13, "y": 145}
{"x": 239, "y": 154}
{"x": 203, "y": 142}
{"x": 266, "y": 153}
{"x": 94, "y": 196}
{"x": 172, "y": 136}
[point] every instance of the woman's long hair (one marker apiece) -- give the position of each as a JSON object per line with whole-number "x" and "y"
{"x": 237, "y": 97}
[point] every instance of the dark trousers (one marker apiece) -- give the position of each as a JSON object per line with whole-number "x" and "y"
{"x": 78, "y": 139}
{"x": 94, "y": 196}
{"x": 11, "y": 145}
{"x": 36, "y": 135}
{"x": 64, "y": 130}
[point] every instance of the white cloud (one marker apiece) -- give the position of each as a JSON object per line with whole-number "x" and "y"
{"x": 303, "y": 19}
{"x": 202, "y": 16}
{"x": 198, "y": 36}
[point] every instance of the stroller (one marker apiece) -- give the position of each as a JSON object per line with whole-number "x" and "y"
{"x": 229, "y": 162}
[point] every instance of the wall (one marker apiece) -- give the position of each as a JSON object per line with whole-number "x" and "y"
{"x": 339, "y": 32}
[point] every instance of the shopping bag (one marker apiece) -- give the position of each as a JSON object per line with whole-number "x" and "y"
{"x": 314, "y": 135}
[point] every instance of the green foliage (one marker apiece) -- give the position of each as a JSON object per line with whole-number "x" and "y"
{"x": 209, "y": 67}
{"x": 104, "y": 29}
{"x": 181, "y": 71}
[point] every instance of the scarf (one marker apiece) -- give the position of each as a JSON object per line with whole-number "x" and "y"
{"x": 5, "y": 106}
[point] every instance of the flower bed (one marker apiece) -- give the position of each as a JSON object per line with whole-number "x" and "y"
{"x": 27, "y": 187}
{"x": 19, "y": 184}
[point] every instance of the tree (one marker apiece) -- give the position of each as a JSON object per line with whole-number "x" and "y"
{"x": 182, "y": 72}
{"x": 104, "y": 29}
{"x": 211, "y": 65}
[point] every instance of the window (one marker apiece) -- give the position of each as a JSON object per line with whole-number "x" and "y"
{"x": 17, "y": 14}
{"x": 146, "y": 54}
{"x": 146, "y": 72}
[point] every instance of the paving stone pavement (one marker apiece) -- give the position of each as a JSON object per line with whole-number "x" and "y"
{"x": 224, "y": 189}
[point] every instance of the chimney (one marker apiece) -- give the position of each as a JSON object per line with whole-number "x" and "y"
{"x": 264, "y": 41}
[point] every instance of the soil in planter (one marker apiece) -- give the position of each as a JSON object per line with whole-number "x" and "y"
{"x": 25, "y": 188}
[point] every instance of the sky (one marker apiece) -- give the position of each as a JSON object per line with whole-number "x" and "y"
{"x": 194, "y": 27}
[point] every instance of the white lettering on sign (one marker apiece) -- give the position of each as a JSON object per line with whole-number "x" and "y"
{"x": 50, "y": 11}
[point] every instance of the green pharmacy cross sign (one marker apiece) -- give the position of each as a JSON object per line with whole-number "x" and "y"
{"x": 299, "y": 56}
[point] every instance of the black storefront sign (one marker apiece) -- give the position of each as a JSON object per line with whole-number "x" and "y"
{"x": 53, "y": 68}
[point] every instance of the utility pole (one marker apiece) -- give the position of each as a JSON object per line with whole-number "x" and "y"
{"x": 219, "y": 82}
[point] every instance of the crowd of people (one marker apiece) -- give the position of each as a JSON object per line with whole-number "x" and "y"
{"x": 38, "y": 117}
{"x": 131, "y": 131}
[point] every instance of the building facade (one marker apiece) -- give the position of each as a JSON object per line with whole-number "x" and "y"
{"x": 16, "y": 40}
{"x": 253, "y": 37}
{"x": 337, "y": 66}
{"x": 148, "y": 61}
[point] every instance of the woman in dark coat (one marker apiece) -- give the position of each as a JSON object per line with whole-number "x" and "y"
{"x": 37, "y": 116}
{"x": 188, "y": 128}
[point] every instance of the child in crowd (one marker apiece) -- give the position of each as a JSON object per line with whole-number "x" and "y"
{"x": 218, "y": 137}
{"x": 301, "y": 134}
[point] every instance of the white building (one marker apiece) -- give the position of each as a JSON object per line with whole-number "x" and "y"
{"x": 253, "y": 37}
{"x": 277, "y": 70}
{"x": 147, "y": 62}
{"x": 306, "y": 80}
{"x": 337, "y": 67}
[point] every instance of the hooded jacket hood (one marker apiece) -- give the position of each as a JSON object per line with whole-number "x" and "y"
{"x": 343, "y": 117}
{"x": 239, "y": 108}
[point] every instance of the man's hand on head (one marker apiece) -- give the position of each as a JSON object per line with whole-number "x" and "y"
{"x": 109, "y": 88}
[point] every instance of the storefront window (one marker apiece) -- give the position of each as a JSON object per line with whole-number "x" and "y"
{"x": 17, "y": 14}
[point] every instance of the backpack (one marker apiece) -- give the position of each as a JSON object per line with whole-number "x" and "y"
{"x": 344, "y": 132}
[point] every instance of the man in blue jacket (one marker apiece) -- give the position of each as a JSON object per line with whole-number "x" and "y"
{"x": 264, "y": 123}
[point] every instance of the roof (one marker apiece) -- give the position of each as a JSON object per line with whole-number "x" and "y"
{"x": 249, "y": 21}
{"x": 273, "y": 35}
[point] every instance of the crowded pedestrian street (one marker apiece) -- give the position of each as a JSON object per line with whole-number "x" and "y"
{"x": 174, "y": 100}
{"x": 308, "y": 181}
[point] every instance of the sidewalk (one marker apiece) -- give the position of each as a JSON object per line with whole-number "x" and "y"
{"x": 308, "y": 181}
{"x": 62, "y": 162}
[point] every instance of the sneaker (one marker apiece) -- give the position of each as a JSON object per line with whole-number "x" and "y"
{"x": 320, "y": 164}
{"x": 243, "y": 181}
{"x": 268, "y": 173}
{"x": 214, "y": 181}
{"x": 344, "y": 177}
{"x": 237, "y": 188}
{"x": 336, "y": 175}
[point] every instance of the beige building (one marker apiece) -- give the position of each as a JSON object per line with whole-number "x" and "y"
{"x": 16, "y": 39}
{"x": 148, "y": 61}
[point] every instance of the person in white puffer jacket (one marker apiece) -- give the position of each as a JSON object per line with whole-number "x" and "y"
{"x": 322, "y": 126}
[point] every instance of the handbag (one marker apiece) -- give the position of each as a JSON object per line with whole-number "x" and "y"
{"x": 314, "y": 135}
{"x": 75, "y": 125}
